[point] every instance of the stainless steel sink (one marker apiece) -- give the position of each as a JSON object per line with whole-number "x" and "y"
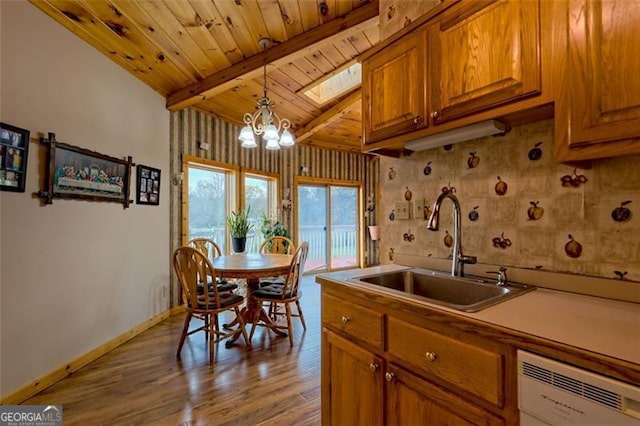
{"x": 467, "y": 294}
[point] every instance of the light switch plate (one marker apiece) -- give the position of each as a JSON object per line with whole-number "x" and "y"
{"x": 403, "y": 210}
{"x": 418, "y": 211}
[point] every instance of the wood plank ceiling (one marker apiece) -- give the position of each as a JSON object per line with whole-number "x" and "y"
{"x": 205, "y": 54}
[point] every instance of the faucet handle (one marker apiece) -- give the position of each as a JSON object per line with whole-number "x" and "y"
{"x": 468, "y": 259}
{"x": 502, "y": 275}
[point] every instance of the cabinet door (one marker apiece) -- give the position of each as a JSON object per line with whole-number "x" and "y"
{"x": 394, "y": 89}
{"x": 604, "y": 55}
{"x": 352, "y": 384}
{"x": 483, "y": 54}
{"x": 413, "y": 401}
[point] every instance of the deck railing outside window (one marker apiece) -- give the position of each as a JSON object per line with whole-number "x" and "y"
{"x": 343, "y": 238}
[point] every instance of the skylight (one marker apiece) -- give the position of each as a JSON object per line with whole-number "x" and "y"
{"x": 336, "y": 85}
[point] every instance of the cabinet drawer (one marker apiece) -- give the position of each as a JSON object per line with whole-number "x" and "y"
{"x": 363, "y": 324}
{"x": 468, "y": 367}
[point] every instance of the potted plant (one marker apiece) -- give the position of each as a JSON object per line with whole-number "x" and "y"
{"x": 272, "y": 228}
{"x": 239, "y": 226}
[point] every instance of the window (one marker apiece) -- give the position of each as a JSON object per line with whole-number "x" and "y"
{"x": 210, "y": 195}
{"x": 327, "y": 89}
{"x": 260, "y": 193}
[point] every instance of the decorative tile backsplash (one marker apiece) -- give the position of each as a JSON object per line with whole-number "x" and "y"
{"x": 519, "y": 207}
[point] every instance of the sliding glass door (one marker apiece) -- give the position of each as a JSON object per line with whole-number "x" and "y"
{"x": 328, "y": 220}
{"x": 344, "y": 227}
{"x": 312, "y": 225}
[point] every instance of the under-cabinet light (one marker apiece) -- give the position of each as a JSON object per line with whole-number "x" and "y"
{"x": 461, "y": 134}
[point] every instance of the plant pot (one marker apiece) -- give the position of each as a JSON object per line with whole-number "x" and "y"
{"x": 238, "y": 244}
{"x": 374, "y": 232}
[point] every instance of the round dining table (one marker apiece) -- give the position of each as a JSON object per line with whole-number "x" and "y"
{"x": 252, "y": 267}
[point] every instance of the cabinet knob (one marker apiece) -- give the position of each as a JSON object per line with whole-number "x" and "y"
{"x": 345, "y": 319}
{"x": 417, "y": 119}
{"x": 389, "y": 376}
{"x": 373, "y": 366}
{"x": 435, "y": 114}
{"x": 431, "y": 356}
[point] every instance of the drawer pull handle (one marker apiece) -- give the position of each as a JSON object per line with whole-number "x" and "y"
{"x": 417, "y": 119}
{"x": 435, "y": 114}
{"x": 389, "y": 377}
{"x": 345, "y": 319}
{"x": 431, "y": 356}
{"x": 373, "y": 366}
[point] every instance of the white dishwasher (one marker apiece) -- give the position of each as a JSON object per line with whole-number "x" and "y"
{"x": 553, "y": 393}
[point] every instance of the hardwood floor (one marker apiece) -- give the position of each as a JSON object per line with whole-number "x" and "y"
{"x": 142, "y": 381}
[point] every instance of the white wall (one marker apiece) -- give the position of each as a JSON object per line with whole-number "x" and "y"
{"x": 75, "y": 274}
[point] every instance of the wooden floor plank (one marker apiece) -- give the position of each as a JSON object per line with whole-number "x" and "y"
{"x": 142, "y": 381}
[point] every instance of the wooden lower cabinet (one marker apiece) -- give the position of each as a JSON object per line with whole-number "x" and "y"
{"x": 351, "y": 383}
{"x": 410, "y": 375}
{"x": 413, "y": 401}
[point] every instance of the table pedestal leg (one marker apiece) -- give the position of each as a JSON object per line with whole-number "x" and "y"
{"x": 248, "y": 314}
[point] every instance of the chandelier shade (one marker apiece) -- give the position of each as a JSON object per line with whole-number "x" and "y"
{"x": 264, "y": 121}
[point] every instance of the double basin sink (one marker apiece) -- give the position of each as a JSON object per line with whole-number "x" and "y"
{"x": 467, "y": 294}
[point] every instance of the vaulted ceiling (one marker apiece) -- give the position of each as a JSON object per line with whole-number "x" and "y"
{"x": 205, "y": 54}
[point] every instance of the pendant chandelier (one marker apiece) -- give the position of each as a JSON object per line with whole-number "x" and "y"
{"x": 264, "y": 122}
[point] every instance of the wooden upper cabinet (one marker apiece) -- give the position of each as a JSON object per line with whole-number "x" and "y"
{"x": 394, "y": 98}
{"x": 483, "y": 54}
{"x": 604, "y": 63}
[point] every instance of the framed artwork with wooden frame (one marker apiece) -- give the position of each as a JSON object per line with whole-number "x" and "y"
{"x": 74, "y": 172}
{"x": 148, "y": 185}
{"x": 14, "y": 152}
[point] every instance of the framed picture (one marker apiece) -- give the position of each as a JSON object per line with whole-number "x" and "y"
{"x": 75, "y": 172}
{"x": 148, "y": 185}
{"x": 14, "y": 152}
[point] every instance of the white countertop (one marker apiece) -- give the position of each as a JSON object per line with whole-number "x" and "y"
{"x": 599, "y": 325}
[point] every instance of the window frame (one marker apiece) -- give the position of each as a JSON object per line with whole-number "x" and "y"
{"x": 232, "y": 173}
{"x": 273, "y": 182}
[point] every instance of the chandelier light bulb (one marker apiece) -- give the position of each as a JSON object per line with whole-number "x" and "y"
{"x": 246, "y": 134}
{"x": 271, "y": 133}
{"x": 249, "y": 144}
{"x": 286, "y": 139}
{"x": 272, "y": 144}
{"x": 247, "y": 137}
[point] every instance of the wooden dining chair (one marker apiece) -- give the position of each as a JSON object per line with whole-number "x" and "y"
{"x": 194, "y": 270}
{"x": 276, "y": 245}
{"x": 285, "y": 294}
{"x": 212, "y": 250}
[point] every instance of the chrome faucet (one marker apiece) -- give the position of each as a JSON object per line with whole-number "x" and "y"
{"x": 458, "y": 259}
{"x": 502, "y": 276}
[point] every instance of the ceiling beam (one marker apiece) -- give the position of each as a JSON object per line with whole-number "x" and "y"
{"x": 332, "y": 114}
{"x": 292, "y": 49}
